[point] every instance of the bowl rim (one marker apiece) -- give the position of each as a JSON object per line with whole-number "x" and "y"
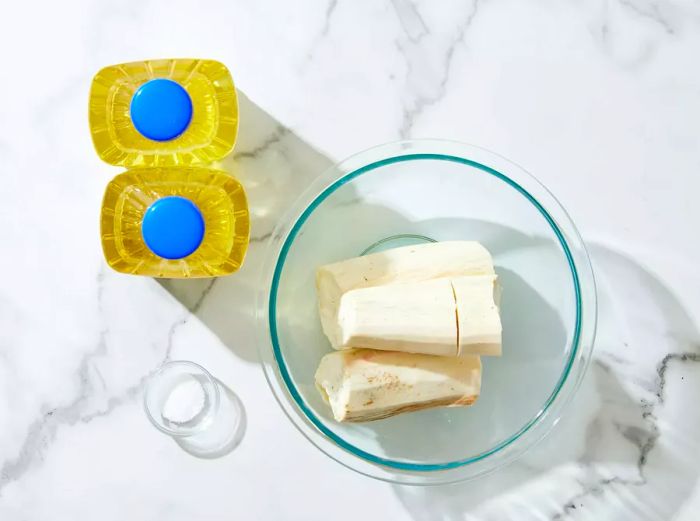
{"x": 286, "y": 232}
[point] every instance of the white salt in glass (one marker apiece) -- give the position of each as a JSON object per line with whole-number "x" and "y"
{"x": 186, "y": 402}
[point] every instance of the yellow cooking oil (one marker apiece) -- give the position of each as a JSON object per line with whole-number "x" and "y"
{"x": 168, "y": 112}
{"x": 175, "y": 222}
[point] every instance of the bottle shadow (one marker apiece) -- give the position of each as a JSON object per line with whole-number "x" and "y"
{"x": 621, "y": 449}
{"x": 275, "y": 166}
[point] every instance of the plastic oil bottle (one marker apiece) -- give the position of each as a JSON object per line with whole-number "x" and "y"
{"x": 169, "y": 215}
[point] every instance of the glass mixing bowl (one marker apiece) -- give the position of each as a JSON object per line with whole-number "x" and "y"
{"x": 416, "y": 191}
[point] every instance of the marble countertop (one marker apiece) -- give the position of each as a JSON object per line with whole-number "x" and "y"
{"x": 600, "y": 99}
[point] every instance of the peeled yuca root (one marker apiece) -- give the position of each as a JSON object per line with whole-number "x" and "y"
{"x": 447, "y": 317}
{"x": 416, "y": 317}
{"x": 478, "y": 317}
{"x": 364, "y": 384}
{"x": 400, "y": 265}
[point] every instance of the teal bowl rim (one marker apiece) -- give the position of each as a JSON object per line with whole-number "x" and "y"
{"x": 279, "y": 358}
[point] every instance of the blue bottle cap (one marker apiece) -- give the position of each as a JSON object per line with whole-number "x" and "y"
{"x": 173, "y": 227}
{"x": 161, "y": 109}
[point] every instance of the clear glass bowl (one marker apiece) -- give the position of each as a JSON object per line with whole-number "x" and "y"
{"x": 434, "y": 190}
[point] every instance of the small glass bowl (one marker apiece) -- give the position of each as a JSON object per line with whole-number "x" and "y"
{"x": 419, "y": 191}
{"x": 184, "y": 401}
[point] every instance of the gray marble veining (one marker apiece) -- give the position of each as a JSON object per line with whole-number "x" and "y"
{"x": 598, "y": 99}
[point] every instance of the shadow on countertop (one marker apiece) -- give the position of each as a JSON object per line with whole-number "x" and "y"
{"x": 613, "y": 455}
{"x": 275, "y": 166}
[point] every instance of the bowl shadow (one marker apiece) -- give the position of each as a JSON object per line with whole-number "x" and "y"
{"x": 621, "y": 450}
{"x": 548, "y": 346}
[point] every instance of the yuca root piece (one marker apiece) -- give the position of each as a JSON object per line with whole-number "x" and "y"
{"x": 364, "y": 384}
{"x": 400, "y": 265}
{"x": 446, "y": 317}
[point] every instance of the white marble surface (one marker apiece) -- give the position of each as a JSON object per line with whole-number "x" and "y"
{"x": 600, "y": 99}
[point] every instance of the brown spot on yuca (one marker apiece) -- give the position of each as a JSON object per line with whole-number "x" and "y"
{"x": 355, "y": 416}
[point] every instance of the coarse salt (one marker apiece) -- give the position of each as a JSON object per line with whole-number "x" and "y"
{"x": 184, "y": 402}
